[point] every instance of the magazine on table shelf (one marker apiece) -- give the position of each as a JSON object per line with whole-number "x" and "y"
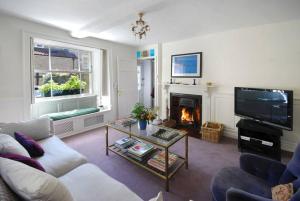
{"x": 158, "y": 160}
{"x": 140, "y": 149}
{"x": 142, "y": 158}
{"x": 134, "y": 148}
{"x": 125, "y": 143}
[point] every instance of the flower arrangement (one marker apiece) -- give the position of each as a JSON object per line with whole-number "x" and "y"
{"x": 143, "y": 115}
{"x": 140, "y": 112}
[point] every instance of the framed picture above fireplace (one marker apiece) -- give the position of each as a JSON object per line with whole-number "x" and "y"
{"x": 187, "y": 65}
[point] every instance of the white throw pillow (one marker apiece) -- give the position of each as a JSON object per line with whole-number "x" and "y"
{"x": 32, "y": 184}
{"x": 37, "y": 128}
{"x": 159, "y": 197}
{"x": 9, "y": 145}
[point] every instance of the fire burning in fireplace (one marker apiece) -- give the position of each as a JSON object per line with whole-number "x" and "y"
{"x": 187, "y": 116}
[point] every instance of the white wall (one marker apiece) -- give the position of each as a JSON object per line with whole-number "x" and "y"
{"x": 265, "y": 56}
{"x": 14, "y": 68}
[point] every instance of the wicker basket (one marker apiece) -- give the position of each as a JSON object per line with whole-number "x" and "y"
{"x": 212, "y": 131}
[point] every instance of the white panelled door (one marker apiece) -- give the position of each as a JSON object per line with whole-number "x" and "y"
{"x": 127, "y": 86}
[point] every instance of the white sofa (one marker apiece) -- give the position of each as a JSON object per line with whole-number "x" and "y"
{"x": 85, "y": 181}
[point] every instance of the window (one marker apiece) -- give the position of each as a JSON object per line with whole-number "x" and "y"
{"x": 61, "y": 69}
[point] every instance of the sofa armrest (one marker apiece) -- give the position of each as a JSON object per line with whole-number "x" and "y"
{"x": 265, "y": 168}
{"x": 234, "y": 194}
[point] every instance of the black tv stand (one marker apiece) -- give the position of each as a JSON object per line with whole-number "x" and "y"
{"x": 256, "y": 137}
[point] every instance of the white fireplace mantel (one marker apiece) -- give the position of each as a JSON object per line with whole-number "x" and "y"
{"x": 189, "y": 87}
{"x": 202, "y": 90}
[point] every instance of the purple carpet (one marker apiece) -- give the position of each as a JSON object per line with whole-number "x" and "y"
{"x": 205, "y": 160}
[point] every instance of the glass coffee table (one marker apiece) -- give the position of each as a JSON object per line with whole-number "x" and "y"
{"x": 133, "y": 131}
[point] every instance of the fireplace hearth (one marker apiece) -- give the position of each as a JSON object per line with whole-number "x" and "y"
{"x": 186, "y": 110}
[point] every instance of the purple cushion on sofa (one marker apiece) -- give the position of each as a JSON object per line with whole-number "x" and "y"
{"x": 33, "y": 148}
{"x": 24, "y": 159}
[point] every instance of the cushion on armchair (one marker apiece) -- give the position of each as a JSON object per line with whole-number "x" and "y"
{"x": 282, "y": 192}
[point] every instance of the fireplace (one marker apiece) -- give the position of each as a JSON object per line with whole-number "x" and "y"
{"x": 186, "y": 110}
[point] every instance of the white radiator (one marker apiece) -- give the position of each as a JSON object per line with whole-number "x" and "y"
{"x": 75, "y": 125}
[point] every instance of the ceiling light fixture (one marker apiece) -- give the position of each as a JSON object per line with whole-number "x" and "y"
{"x": 140, "y": 27}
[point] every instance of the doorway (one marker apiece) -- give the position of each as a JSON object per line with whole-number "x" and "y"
{"x": 146, "y": 83}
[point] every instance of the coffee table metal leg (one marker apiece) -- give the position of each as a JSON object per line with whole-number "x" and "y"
{"x": 167, "y": 168}
{"x": 106, "y": 136}
{"x": 186, "y": 152}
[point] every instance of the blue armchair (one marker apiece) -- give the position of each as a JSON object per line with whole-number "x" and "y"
{"x": 255, "y": 178}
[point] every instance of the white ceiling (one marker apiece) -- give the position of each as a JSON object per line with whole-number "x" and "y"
{"x": 169, "y": 19}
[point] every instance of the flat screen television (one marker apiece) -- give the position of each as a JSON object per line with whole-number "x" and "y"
{"x": 269, "y": 106}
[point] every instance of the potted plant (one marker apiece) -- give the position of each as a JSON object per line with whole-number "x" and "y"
{"x": 143, "y": 115}
{"x": 72, "y": 86}
{"x": 46, "y": 88}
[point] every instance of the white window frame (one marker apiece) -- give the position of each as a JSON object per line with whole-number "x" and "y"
{"x": 93, "y": 89}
